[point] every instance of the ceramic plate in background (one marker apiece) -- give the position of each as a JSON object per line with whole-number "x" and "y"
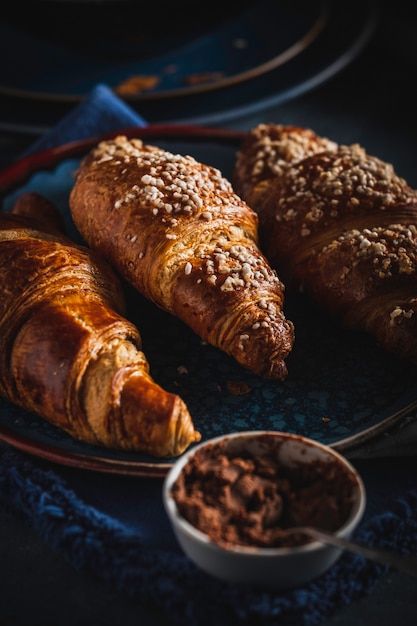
{"x": 242, "y": 62}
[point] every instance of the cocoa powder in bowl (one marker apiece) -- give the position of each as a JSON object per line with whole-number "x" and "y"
{"x": 248, "y": 494}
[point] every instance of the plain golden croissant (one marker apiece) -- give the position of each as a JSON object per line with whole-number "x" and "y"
{"x": 68, "y": 354}
{"x": 174, "y": 229}
{"x": 338, "y": 224}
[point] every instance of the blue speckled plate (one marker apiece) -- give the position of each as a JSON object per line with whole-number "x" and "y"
{"x": 341, "y": 388}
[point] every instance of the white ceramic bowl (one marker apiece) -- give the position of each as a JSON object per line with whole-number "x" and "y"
{"x": 281, "y": 567}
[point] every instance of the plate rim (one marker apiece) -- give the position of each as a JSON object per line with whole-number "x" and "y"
{"x": 20, "y": 170}
{"x": 159, "y": 469}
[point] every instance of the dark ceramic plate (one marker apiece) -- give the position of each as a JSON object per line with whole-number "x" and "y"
{"x": 241, "y": 62}
{"x": 341, "y": 388}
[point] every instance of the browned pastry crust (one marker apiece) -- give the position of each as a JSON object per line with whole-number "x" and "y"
{"x": 68, "y": 353}
{"x": 174, "y": 229}
{"x": 339, "y": 224}
{"x": 269, "y": 150}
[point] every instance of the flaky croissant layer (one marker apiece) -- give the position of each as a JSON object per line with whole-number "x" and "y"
{"x": 174, "y": 228}
{"x": 68, "y": 353}
{"x": 338, "y": 223}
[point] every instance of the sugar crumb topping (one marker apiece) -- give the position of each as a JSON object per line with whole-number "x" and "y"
{"x": 335, "y": 183}
{"x": 175, "y": 187}
{"x": 320, "y": 179}
{"x": 169, "y": 183}
{"x": 387, "y": 251}
{"x": 398, "y": 314}
{"x": 273, "y": 148}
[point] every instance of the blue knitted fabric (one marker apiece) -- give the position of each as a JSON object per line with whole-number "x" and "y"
{"x": 167, "y": 580}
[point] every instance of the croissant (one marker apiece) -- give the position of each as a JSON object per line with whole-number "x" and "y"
{"x": 339, "y": 225}
{"x": 174, "y": 229}
{"x": 68, "y": 354}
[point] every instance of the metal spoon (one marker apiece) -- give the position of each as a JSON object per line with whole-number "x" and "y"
{"x": 385, "y": 557}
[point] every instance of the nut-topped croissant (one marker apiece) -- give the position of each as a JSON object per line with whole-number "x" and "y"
{"x": 339, "y": 224}
{"x": 174, "y": 228}
{"x": 68, "y": 354}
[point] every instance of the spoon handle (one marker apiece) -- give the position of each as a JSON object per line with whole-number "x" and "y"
{"x": 385, "y": 557}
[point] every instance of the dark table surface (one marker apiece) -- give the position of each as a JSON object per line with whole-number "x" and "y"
{"x": 372, "y": 102}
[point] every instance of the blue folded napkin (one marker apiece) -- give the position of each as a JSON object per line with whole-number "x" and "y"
{"x": 138, "y": 556}
{"x": 100, "y": 112}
